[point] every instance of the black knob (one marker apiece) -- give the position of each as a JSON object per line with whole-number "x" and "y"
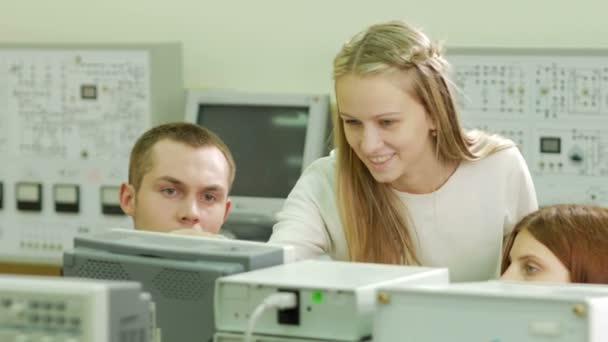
{"x": 575, "y": 157}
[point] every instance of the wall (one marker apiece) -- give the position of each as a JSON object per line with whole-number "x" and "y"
{"x": 273, "y": 45}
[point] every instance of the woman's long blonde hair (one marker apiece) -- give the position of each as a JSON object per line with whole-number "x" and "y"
{"x": 375, "y": 221}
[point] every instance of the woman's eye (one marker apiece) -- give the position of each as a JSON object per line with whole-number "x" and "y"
{"x": 386, "y": 122}
{"x": 351, "y": 122}
{"x": 530, "y": 269}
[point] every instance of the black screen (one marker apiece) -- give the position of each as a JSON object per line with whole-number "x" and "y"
{"x": 267, "y": 143}
{"x": 550, "y": 145}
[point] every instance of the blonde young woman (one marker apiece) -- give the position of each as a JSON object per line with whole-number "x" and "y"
{"x": 406, "y": 184}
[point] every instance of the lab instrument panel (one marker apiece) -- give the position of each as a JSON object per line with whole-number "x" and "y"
{"x": 335, "y": 299}
{"x": 493, "y": 311}
{"x": 70, "y": 115}
{"x": 552, "y": 103}
{"x": 37, "y": 309}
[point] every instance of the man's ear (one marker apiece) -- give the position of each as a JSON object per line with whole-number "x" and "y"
{"x": 127, "y": 198}
{"x": 228, "y": 206}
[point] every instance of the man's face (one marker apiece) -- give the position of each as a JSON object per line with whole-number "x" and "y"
{"x": 186, "y": 188}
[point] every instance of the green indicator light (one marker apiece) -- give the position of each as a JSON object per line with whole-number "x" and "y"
{"x": 317, "y": 297}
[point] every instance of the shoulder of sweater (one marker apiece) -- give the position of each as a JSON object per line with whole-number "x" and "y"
{"x": 503, "y": 157}
{"x": 504, "y": 162}
{"x": 325, "y": 165}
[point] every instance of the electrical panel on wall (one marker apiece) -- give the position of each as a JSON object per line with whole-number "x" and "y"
{"x": 553, "y": 104}
{"x": 70, "y": 115}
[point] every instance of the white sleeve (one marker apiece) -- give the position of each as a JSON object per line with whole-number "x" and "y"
{"x": 300, "y": 222}
{"x": 521, "y": 195}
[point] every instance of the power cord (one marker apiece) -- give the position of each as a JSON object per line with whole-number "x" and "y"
{"x": 279, "y": 300}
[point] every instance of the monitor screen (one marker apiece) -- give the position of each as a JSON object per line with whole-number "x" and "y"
{"x": 267, "y": 143}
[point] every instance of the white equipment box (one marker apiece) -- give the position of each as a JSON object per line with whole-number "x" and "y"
{"x": 336, "y": 300}
{"x": 493, "y": 311}
{"x": 74, "y": 310}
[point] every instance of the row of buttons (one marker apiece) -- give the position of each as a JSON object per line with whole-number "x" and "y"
{"x": 41, "y": 245}
{"x": 54, "y": 320}
{"x": 8, "y": 302}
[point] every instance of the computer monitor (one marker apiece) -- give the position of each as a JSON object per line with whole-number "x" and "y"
{"x": 272, "y": 137}
{"x": 178, "y": 271}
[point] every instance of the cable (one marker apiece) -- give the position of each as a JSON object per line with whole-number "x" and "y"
{"x": 279, "y": 300}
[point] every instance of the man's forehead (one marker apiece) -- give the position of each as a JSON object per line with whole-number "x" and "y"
{"x": 181, "y": 161}
{"x": 200, "y": 184}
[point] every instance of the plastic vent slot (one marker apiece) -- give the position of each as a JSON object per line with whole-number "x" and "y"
{"x": 181, "y": 285}
{"x": 102, "y": 270}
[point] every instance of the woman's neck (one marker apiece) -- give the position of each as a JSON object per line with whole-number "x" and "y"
{"x": 426, "y": 177}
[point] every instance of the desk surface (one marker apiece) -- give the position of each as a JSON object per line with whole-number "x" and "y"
{"x": 33, "y": 269}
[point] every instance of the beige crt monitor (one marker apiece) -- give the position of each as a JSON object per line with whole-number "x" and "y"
{"x": 273, "y": 137}
{"x": 178, "y": 271}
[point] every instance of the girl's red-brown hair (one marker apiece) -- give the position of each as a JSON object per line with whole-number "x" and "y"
{"x": 576, "y": 234}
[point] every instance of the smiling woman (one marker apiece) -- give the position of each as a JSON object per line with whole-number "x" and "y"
{"x": 560, "y": 243}
{"x": 406, "y": 182}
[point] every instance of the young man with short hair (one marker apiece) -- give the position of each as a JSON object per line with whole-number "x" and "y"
{"x": 180, "y": 175}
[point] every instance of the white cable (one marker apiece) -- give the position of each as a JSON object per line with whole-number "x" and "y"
{"x": 279, "y": 300}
